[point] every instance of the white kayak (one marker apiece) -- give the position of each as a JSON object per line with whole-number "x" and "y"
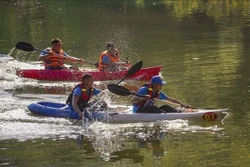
{"x": 129, "y": 117}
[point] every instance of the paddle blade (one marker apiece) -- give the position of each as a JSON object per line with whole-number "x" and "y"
{"x": 119, "y": 90}
{"x": 132, "y": 70}
{"x": 24, "y": 46}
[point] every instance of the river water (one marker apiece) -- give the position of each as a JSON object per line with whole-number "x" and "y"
{"x": 203, "y": 47}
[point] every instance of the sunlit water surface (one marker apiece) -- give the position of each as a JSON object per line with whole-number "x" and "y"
{"x": 202, "y": 46}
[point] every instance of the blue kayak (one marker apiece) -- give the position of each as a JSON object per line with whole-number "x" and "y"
{"x": 51, "y": 109}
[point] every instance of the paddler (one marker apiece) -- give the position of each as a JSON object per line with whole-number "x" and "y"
{"x": 81, "y": 94}
{"x": 54, "y": 57}
{"x": 110, "y": 59}
{"x": 151, "y": 91}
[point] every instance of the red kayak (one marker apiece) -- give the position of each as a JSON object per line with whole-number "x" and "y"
{"x": 144, "y": 74}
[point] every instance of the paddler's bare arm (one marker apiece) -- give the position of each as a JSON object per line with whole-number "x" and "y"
{"x": 67, "y": 58}
{"x": 121, "y": 63}
{"x": 178, "y": 102}
{"x": 42, "y": 58}
{"x": 75, "y": 106}
{"x": 73, "y": 59}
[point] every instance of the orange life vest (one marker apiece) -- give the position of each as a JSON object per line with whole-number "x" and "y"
{"x": 54, "y": 58}
{"x": 150, "y": 92}
{"x": 83, "y": 99}
{"x": 102, "y": 66}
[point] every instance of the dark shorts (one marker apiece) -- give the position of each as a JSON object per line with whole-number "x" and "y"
{"x": 53, "y": 68}
{"x": 155, "y": 109}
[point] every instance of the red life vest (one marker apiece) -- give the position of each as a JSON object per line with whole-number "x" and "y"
{"x": 102, "y": 66}
{"x": 54, "y": 58}
{"x": 150, "y": 92}
{"x": 83, "y": 99}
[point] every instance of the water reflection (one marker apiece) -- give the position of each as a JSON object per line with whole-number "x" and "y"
{"x": 84, "y": 143}
{"x": 113, "y": 147}
{"x": 153, "y": 140}
{"x": 135, "y": 142}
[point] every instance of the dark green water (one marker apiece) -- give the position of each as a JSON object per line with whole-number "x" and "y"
{"x": 203, "y": 47}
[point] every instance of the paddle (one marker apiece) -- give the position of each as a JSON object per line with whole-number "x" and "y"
{"x": 122, "y": 91}
{"x": 28, "y": 47}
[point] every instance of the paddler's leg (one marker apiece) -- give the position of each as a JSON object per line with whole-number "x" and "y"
{"x": 169, "y": 109}
{"x": 54, "y": 68}
{"x": 62, "y": 67}
{"x": 149, "y": 109}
